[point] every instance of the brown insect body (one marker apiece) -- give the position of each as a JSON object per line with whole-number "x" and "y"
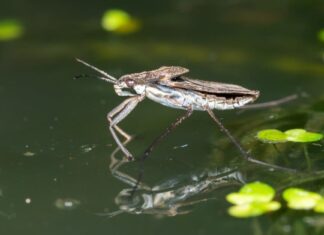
{"x": 168, "y": 86}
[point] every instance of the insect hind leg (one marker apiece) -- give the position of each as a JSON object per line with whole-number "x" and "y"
{"x": 270, "y": 104}
{"x": 244, "y": 153}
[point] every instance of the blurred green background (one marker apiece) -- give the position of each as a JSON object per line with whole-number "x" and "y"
{"x": 55, "y": 159}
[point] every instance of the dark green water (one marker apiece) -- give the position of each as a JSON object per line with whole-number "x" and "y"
{"x": 55, "y": 143}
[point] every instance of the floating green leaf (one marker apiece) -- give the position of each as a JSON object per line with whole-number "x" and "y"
{"x": 319, "y": 206}
{"x": 244, "y": 211}
{"x": 260, "y": 191}
{"x": 301, "y": 135}
{"x": 239, "y": 199}
{"x": 253, "y": 209}
{"x": 253, "y": 199}
{"x": 301, "y": 199}
{"x": 119, "y": 21}
{"x": 10, "y": 29}
{"x": 293, "y": 135}
{"x": 272, "y": 136}
{"x": 252, "y": 192}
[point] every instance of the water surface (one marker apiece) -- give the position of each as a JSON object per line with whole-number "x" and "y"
{"x": 56, "y": 148}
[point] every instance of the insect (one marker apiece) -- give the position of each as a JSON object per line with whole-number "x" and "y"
{"x": 169, "y": 86}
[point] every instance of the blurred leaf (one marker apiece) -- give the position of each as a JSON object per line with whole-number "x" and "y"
{"x": 253, "y": 199}
{"x": 260, "y": 191}
{"x": 119, "y": 21}
{"x": 239, "y": 198}
{"x": 272, "y": 136}
{"x": 301, "y": 135}
{"x": 292, "y": 64}
{"x": 252, "y": 192}
{"x": 253, "y": 209}
{"x": 320, "y": 35}
{"x": 319, "y": 206}
{"x": 245, "y": 211}
{"x": 301, "y": 199}
{"x": 10, "y": 29}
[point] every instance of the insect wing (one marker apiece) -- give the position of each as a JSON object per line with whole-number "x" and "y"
{"x": 207, "y": 86}
{"x": 165, "y": 73}
{"x": 154, "y": 76}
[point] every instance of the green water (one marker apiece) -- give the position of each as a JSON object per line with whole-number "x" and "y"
{"x": 55, "y": 143}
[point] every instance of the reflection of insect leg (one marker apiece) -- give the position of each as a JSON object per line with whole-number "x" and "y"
{"x": 117, "y": 115}
{"x": 116, "y": 164}
{"x": 245, "y": 154}
{"x": 156, "y": 142}
{"x": 113, "y": 154}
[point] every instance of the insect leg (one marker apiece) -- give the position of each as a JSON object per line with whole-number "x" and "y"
{"x": 114, "y": 112}
{"x": 157, "y": 140}
{"x": 117, "y": 115}
{"x": 245, "y": 154}
{"x": 270, "y": 103}
{"x": 173, "y": 125}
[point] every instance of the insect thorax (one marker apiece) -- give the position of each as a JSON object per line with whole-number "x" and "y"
{"x": 139, "y": 89}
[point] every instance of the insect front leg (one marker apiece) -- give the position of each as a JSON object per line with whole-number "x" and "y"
{"x": 117, "y": 115}
{"x": 114, "y": 112}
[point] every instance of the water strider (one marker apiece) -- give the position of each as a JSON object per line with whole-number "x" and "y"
{"x": 168, "y": 86}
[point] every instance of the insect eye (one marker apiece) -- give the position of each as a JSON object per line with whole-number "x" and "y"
{"x": 130, "y": 82}
{"x": 177, "y": 79}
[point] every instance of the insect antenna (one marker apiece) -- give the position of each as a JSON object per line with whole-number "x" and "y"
{"x": 106, "y": 77}
{"x": 92, "y": 76}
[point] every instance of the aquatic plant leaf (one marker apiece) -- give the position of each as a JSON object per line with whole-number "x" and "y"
{"x": 119, "y": 21}
{"x": 301, "y": 135}
{"x": 260, "y": 191}
{"x": 272, "y": 136}
{"x": 10, "y": 29}
{"x": 252, "y": 192}
{"x": 239, "y": 198}
{"x": 253, "y": 199}
{"x": 293, "y": 135}
{"x": 253, "y": 209}
{"x": 319, "y": 206}
{"x": 272, "y": 206}
{"x": 245, "y": 211}
{"x": 300, "y": 199}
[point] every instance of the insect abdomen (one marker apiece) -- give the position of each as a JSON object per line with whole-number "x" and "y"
{"x": 183, "y": 99}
